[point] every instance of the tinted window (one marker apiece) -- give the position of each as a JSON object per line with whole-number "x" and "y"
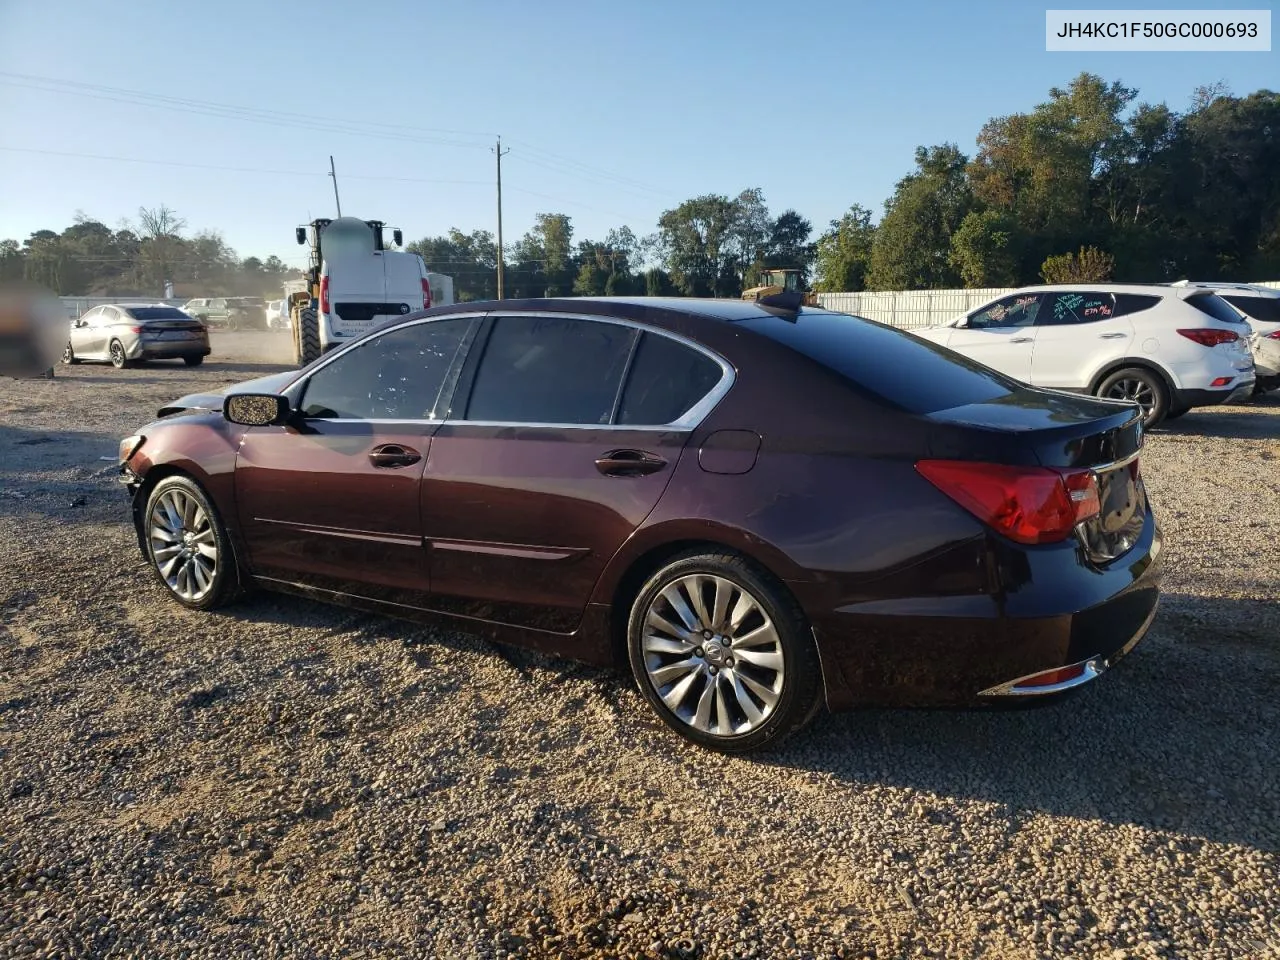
{"x": 217, "y": 303}
{"x": 1127, "y": 303}
{"x": 1018, "y": 310}
{"x": 1071, "y": 307}
{"x": 1215, "y": 307}
{"x": 158, "y": 313}
{"x": 1266, "y": 309}
{"x": 396, "y": 376}
{"x": 550, "y": 370}
{"x": 905, "y": 371}
{"x": 666, "y": 379}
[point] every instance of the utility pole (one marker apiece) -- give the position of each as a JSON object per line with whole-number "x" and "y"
{"x": 498, "y": 152}
{"x": 334, "y": 174}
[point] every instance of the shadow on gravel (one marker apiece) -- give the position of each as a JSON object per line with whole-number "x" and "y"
{"x": 1179, "y": 737}
{"x": 1258, "y": 420}
{"x": 56, "y": 473}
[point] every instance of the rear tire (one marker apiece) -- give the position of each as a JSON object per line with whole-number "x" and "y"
{"x": 193, "y": 361}
{"x": 1175, "y": 414}
{"x": 116, "y": 352}
{"x": 69, "y": 355}
{"x": 1140, "y": 386}
{"x": 685, "y": 641}
{"x": 306, "y": 337}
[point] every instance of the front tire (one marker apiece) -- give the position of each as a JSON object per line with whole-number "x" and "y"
{"x": 723, "y": 653}
{"x": 193, "y": 361}
{"x": 1140, "y": 386}
{"x": 117, "y": 354}
{"x": 69, "y": 355}
{"x": 188, "y": 546}
{"x": 306, "y": 337}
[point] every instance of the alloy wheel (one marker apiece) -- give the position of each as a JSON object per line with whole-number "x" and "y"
{"x": 1134, "y": 390}
{"x": 117, "y": 354}
{"x": 184, "y": 546}
{"x": 67, "y": 353}
{"x": 713, "y": 655}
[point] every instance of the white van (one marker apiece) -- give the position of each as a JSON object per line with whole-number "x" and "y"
{"x": 360, "y": 291}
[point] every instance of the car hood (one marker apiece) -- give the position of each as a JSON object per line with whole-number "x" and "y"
{"x": 273, "y": 383}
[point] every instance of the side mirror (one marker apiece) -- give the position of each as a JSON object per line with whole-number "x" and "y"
{"x": 398, "y": 236}
{"x": 256, "y": 409}
{"x": 301, "y": 234}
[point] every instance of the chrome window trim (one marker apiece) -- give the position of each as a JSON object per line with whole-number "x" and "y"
{"x": 689, "y": 420}
{"x": 685, "y": 423}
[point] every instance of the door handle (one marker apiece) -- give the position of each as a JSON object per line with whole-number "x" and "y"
{"x": 629, "y": 463}
{"x": 393, "y": 455}
{"x": 1022, "y": 339}
{"x": 1110, "y": 336}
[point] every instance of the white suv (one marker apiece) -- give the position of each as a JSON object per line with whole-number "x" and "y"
{"x": 1261, "y": 307}
{"x": 1166, "y": 348}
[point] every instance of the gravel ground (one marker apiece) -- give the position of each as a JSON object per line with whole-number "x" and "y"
{"x": 287, "y": 779}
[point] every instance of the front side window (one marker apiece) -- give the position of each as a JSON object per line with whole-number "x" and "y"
{"x": 1018, "y": 310}
{"x": 1266, "y": 309}
{"x": 666, "y": 380}
{"x": 395, "y": 376}
{"x": 550, "y": 370}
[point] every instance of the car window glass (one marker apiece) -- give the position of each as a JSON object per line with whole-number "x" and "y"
{"x": 218, "y": 303}
{"x": 1071, "y": 307}
{"x": 666, "y": 379}
{"x": 395, "y": 376}
{"x": 1266, "y": 309}
{"x": 1018, "y": 310}
{"x": 550, "y": 370}
{"x": 1216, "y": 307}
{"x": 1127, "y": 303}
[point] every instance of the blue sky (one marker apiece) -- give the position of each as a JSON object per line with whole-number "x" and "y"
{"x": 612, "y": 112}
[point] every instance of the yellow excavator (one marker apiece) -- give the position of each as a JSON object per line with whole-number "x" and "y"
{"x": 783, "y": 283}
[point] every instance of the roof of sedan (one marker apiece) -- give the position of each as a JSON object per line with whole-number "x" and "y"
{"x": 721, "y": 309}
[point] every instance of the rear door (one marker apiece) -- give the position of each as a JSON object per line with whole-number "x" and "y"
{"x": 331, "y": 499}
{"x": 564, "y": 434}
{"x": 1078, "y": 332}
{"x": 1001, "y": 335}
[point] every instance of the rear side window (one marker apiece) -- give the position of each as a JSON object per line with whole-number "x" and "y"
{"x": 666, "y": 380}
{"x": 901, "y": 369}
{"x": 1215, "y": 307}
{"x": 1127, "y": 303}
{"x": 550, "y": 370}
{"x": 1266, "y": 309}
{"x": 1067, "y": 308}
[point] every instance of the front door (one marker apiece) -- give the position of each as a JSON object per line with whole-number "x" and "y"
{"x": 1079, "y": 332}
{"x": 331, "y": 499}
{"x": 564, "y": 435}
{"x": 1001, "y": 335}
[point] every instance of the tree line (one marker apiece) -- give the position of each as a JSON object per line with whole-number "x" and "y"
{"x": 1089, "y": 184}
{"x": 136, "y": 258}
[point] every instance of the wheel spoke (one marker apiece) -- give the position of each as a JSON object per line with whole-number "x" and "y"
{"x": 720, "y": 606}
{"x": 741, "y": 609}
{"x": 745, "y": 703}
{"x": 675, "y": 696}
{"x": 673, "y": 671}
{"x": 164, "y": 553}
{"x": 696, "y": 585}
{"x": 702, "y": 717}
{"x": 656, "y": 644}
{"x": 677, "y": 601}
{"x": 756, "y": 638}
{"x": 655, "y": 619}
{"x": 770, "y": 660}
{"x": 760, "y": 690}
{"x": 724, "y": 726}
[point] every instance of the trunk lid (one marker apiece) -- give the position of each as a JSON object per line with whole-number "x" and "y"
{"x": 1067, "y": 432}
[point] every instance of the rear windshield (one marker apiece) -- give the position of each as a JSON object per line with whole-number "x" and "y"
{"x": 1266, "y": 309}
{"x": 912, "y": 374}
{"x": 1215, "y": 307}
{"x": 158, "y": 313}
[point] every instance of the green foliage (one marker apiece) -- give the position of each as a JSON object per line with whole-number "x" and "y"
{"x": 1090, "y": 265}
{"x": 913, "y": 240}
{"x": 843, "y": 253}
{"x": 984, "y": 249}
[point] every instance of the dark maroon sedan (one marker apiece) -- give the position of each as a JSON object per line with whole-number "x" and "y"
{"x": 761, "y": 509}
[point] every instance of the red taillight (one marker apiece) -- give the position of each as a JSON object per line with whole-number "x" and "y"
{"x": 324, "y": 294}
{"x": 1221, "y": 381}
{"x": 1051, "y": 677}
{"x": 135, "y": 329}
{"x": 1026, "y": 504}
{"x": 1210, "y": 337}
{"x": 426, "y": 294}
{"x": 1275, "y": 335}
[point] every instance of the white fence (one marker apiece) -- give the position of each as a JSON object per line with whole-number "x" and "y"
{"x": 922, "y": 308}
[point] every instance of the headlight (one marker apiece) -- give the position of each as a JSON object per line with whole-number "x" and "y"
{"x": 129, "y": 446}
